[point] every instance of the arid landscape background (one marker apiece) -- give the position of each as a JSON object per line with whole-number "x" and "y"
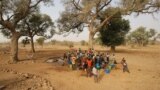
{"x": 35, "y": 34}
{"x": 143, "y": 62}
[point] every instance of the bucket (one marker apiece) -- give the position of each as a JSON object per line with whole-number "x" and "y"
{"x": 107, "y": 71}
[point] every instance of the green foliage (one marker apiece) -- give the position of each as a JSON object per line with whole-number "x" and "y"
{"x": 37, "y": 24}
{"x": 114, "y": 33}
{"x": 25, "y": 41}
{"x": 14, "y": 11}
{"x": 6, "y": 33}
{"x": 142, "y": 37}
{"x": 40, "y": 41}
{"x": 67, "y": 43}
{"x": 140, "y": 6}
{"x": 83, "y": 42}
{"x": 90, "y": 13}
{"x": 158, "y": 36}
{"x": 53, "y": 42}
{"x": 80, "y": 13}
{"x": 151, "y": 33}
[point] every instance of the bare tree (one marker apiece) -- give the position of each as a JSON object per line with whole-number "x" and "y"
{"x": 87, "y": 13}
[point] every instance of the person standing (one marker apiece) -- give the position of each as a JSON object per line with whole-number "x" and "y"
{"x": 125, "y": 66}
{"x": 95, "y": 73}
{"x": 73, "y": 58}
{"x": 89, "y": 67}
{"x": 65, "y": 57}
{"x": 107, "y": 58}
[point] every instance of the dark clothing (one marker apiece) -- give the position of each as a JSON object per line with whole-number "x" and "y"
{"x": 65, "y": 56}
{"x": 115, "y": 62}
{"x": 89, "y": 71}
{"x": 125, "y": 67}
{"x": 107, "y": 61}
{"x": 85, "y": 65}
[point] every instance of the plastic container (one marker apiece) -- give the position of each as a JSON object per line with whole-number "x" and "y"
{"x": 107, "y": 71}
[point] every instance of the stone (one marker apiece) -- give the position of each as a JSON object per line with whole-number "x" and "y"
{"x": 13, "y": 72}
{"x": 51, "y": 60}
{"x": 6, "y": 70}
{"x": 26, "y": 75}
{"x": 2, "y": 87}
{"x": 29, "y": 88}
{"x": 61, "y": 62}
{"x": 34, "y": 76}
{"x": 39, "y": 85}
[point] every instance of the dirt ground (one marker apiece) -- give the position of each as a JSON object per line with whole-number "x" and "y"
{"x": 144, "y": 65}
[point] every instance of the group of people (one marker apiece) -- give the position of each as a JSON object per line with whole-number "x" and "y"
{"x": 91, "y": 61}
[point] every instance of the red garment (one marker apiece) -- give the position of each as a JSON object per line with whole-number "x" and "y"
{"x": 89, "y": 63}
{"x": 89, "y": 51}
{"x": 83, "y": 59}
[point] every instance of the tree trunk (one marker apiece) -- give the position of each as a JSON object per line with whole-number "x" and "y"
{"x": 113, "y": 48}
{"x": 24, "y": 45}
{"x": 32, "y": 44}
{"x": 91, "y": 35}
{"x": 14, "y": 47}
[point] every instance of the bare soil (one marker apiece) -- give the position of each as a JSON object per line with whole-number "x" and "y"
{"x": 36, "y": 74}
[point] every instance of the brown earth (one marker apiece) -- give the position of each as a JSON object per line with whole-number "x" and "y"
{"x": 144, "y": 65}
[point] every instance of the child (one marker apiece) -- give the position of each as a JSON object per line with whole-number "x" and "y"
{"x": 107, "y": 58}
{"x": 125, "y": 66}
{"x": 73, "y": 58}
{"x": 65, "y": 57}
{"x": 69, "y": 60}
{"x": 95, "y": 73}
{"x": 89, "y": 67}
{"x": 84, "y": 63}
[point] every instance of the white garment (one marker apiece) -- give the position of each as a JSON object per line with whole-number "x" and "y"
{"x": 95, "y": 71}
{"x": 107, "y": 55}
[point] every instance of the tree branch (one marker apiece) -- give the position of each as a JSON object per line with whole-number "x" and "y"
{"x": 149, "y": 7}
{"x": 26, "y": 12}
{"x": 105, "y": 21}
{"x": 1, "y": 15}
{"x": 77, "y": 5}
{"x": 2, "y": 28}
{"x": 9, "y": 18}
{"x": 35, "y": 3}
{"x": 107, "y": 3}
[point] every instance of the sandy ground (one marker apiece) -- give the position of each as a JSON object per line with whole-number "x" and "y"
{"x": 144, "y": 65}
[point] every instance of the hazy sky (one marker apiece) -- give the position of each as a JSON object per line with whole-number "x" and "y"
{"x": 145, "y": 20}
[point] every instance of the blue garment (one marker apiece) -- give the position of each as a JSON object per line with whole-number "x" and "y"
{"x": 98, "y": 66}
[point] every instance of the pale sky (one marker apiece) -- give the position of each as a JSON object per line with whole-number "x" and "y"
{"x": 145, "y": 20}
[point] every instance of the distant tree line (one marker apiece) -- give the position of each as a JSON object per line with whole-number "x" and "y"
{"x": 142, "y": 37}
